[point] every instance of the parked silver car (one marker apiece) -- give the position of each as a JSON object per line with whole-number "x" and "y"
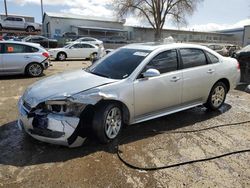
{"x": 132, "y": 84}
{"x": 22, "y": 58}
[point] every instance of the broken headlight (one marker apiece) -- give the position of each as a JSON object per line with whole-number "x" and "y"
{"x": 64, "y": 108}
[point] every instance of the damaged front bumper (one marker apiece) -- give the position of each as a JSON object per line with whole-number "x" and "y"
{"x": 49, "y": 127}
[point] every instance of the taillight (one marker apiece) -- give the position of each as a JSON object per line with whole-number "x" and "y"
{"x": 238, "y": 65}
{"x": 46, "y": 54}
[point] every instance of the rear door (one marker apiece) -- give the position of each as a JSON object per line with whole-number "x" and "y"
{"x": 199, "y": 75}
{"x": 15, "y": 57}
{"x": 19, "y": 23}
{"x": 87, "y": 50}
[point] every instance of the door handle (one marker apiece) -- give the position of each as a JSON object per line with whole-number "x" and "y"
{"x": 175, "y": 79}
{"x": 27, "y": 57}
{"x": 210, "y": 71}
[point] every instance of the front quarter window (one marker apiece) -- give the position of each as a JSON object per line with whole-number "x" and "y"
{"x": 120, "y": 64}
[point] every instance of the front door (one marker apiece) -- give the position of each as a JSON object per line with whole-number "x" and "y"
{"x": 75, "y": 51}
{"x": 156, "y": 94}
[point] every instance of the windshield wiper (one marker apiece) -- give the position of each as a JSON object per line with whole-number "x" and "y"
{"x": 99, "y": 74}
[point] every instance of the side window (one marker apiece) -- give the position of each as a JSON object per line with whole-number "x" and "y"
{"x": 212, "y": 57}
{"x": 15, "y": 48}
{"x": 30, "y": 49}
{"x": 76, "y": 46}
{"x": 87, "y": 46}
{"x": 164, "y": 62}
{"x": 19, "y": 19}
{"x": 9, "y": 19}
{"x": 193, "y": 58}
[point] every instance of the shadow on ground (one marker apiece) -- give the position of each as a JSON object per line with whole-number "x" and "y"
{"x": 18, "y": 77}
{"x": 19, "y": 149}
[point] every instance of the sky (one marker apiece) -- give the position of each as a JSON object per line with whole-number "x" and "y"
{"x": 211, "y": 15}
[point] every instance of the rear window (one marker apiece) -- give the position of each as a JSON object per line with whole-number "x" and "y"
{"x": 212, "y": 58}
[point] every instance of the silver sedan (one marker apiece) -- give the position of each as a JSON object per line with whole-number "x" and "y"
{"x": 132, "y": 84}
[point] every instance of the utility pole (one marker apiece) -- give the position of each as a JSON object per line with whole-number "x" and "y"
{"x": 42, "y": 9}
{"x": 5, "y": 5}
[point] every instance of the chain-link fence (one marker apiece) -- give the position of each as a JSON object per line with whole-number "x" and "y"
{"x": 245, "y": 71}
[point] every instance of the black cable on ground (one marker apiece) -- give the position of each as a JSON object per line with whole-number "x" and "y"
{"x": 119, "y": 152}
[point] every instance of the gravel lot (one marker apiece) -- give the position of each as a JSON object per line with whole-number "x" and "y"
{"x": 25, "y": 162}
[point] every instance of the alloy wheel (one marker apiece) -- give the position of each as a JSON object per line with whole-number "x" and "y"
{"x": 113, "y": 123}
{"x": 218, "y": 96}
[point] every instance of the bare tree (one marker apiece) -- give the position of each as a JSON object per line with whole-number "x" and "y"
{"x": 157, "y": 12}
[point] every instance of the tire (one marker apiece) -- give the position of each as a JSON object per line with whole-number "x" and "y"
{"x": 30, "y": 29}
{"x": 34, "y": 69}
{"x": 107, "y": 122}
{"x": 217, "y": 96}
{"x": 61, "y": 56}
{"x": 93, "y": 57}
{"x": 1, "y": 28}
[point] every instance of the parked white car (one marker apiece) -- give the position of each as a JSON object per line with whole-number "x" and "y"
{"x": 12, "y": 22}
{"x": 88, "y": 40}
{"x": 132, "y": 84}
{"x": 80, "y": 50}
{"x": 22, "y": 58}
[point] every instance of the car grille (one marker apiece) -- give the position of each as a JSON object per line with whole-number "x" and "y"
{"x": 27, "y": 106}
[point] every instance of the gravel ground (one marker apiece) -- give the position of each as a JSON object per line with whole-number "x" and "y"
{"x": 25, "y": 162}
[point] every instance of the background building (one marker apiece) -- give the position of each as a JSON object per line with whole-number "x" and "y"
{"x": 143, "y": 34}
{"x": 55, "y": 24}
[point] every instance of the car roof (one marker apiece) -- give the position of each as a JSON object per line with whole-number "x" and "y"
{"x": 87, "y": 38}
{"x": 20, "y": 42}
{"x": 155, "y": 45}
{"x": 79, "y": 42}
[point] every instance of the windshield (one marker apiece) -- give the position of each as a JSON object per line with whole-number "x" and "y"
{"x": 67, "y": 46}
{"x": 245, "y": 49}
{"x": 120, "y": 64}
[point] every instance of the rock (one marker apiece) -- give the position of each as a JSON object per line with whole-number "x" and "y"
{"x": 247, "y": 89}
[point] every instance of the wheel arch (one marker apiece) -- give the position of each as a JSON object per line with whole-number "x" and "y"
{"x": 90, "y": 109}
{"x": 225, "y": 81}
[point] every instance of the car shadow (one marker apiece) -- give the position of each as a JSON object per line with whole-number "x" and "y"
{"x": 19, "y": 149}
{"x": 242, "y": 87}
{"x": 18, "y": 77}
{"x": 54, "y": 60}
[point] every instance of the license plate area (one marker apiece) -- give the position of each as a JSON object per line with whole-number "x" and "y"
{"x": 40, "y": 121}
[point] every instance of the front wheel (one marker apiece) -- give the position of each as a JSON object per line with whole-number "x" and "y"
{"x": 217, "y": 96}
{"x": 107, "y": 122}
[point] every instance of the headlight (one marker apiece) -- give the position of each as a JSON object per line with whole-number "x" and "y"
{"x": 64, "y": 108}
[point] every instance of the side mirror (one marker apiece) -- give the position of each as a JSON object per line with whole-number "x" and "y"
{"x": 151, "y": 73}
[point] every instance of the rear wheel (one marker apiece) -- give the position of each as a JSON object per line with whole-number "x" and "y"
{"x": 30, "y": 29}
{"x": 61, "y": 56}
{"x": 107, "y": 122}
{"x": 217, "y": 96}
{"x": 34, "y": 69}
{"x": 93, "y": 57}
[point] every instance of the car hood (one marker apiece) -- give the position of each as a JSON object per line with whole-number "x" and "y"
{"x": 62, "y": 85}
